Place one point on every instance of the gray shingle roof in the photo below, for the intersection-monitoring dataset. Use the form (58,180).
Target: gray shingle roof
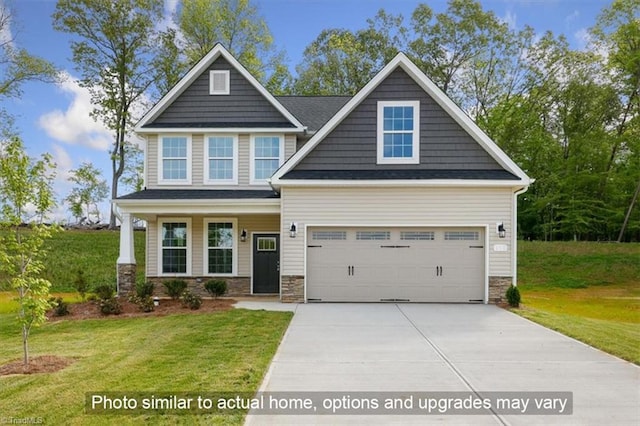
(198,194)
(399,174)
(313,111)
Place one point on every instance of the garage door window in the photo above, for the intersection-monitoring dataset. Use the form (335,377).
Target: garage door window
(373,235)
(461,235)
(329,235)
(417,235)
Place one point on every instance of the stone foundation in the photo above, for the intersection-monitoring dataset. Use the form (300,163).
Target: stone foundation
(498,287)
(292,289)
(126,278)
(236,286)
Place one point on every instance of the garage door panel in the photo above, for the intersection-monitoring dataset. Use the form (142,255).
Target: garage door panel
(374,264)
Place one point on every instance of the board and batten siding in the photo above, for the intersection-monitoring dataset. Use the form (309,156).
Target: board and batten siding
(444,144)
(198,163)
(252,223)
(395,207)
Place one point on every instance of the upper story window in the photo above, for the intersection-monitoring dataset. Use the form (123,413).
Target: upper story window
(398,132)
(175,158)
(267,154)
(221,160)
(219,82)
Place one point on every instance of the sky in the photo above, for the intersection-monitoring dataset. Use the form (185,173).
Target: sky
(55,118)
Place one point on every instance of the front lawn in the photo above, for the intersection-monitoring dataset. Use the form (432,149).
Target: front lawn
(589,291)
(190,353)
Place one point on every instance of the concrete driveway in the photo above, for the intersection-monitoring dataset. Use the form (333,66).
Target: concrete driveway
(334,352)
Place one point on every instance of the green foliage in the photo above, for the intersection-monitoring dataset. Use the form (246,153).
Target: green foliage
(112,47)
(513,296)
(216,288)
(110,306)
(144,288)
(145,303)
(175,288)
(190,300)
(60,307)
(25,184)
(89,190)
(81,284)
(105,291)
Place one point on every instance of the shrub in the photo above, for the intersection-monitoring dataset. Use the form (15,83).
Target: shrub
(110,306)
(105,291)
(144,303)
(513,296)
(175,288)
(80,284)
(144,289)
(216,288)
(190,300)
(60,307)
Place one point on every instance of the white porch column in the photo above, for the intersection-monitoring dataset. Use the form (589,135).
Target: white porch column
(127,253)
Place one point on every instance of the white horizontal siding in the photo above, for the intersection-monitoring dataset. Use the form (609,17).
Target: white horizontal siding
(253,223)
(393,207)
(243,160)
(152,161)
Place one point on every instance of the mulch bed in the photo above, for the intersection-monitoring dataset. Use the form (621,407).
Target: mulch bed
(91,310)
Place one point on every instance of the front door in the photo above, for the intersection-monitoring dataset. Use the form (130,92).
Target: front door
(266,263)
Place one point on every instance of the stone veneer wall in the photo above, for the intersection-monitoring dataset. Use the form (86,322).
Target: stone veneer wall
(292,289)
(236,286)
(498,287)
(126,278)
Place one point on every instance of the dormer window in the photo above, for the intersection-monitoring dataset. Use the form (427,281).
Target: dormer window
(398,132)
(219,82)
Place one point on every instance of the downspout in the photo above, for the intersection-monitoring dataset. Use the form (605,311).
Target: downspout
(514,235)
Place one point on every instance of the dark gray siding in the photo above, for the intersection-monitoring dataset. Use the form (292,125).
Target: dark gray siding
(443,143)
(244,105)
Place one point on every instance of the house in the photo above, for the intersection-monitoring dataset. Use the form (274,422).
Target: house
(393,194)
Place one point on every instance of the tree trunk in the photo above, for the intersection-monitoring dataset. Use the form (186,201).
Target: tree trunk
(25,345)
(628,215)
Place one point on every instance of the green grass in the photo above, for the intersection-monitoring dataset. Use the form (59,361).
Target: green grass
(589,291)
(95,252)
(194,353)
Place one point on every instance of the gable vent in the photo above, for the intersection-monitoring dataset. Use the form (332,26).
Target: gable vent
(219,82)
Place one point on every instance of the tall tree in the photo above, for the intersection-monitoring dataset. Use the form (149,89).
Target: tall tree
(16,64)
(89,190)
(341,62)
(26,196)
(237,24)
(112,55)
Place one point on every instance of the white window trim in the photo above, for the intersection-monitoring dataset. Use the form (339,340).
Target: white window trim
(415,159)
(161,222)
(252,163)
(207,178)
(227,82)
(205,244)
(161,180)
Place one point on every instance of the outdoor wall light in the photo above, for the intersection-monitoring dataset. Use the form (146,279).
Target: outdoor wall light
(293,230)
(243,235)
(502,232)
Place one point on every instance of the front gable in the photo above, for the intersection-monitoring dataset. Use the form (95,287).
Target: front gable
(235,101)
(444,145)
(448,146)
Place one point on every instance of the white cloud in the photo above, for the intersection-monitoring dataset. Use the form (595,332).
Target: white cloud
(75,126)
(170,8)
(63,161)
(583,38)
(6,35)
(572,17)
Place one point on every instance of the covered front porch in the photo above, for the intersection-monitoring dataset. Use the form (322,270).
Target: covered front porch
(199,235)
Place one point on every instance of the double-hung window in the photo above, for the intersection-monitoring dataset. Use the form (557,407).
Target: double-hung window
(221,159)
(175,159)
(220,246)
(398,132)
(174,238)
(267,153)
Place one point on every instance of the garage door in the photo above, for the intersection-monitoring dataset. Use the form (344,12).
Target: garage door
(395,264)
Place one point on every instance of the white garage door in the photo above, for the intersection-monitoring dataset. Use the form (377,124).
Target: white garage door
(395,264)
